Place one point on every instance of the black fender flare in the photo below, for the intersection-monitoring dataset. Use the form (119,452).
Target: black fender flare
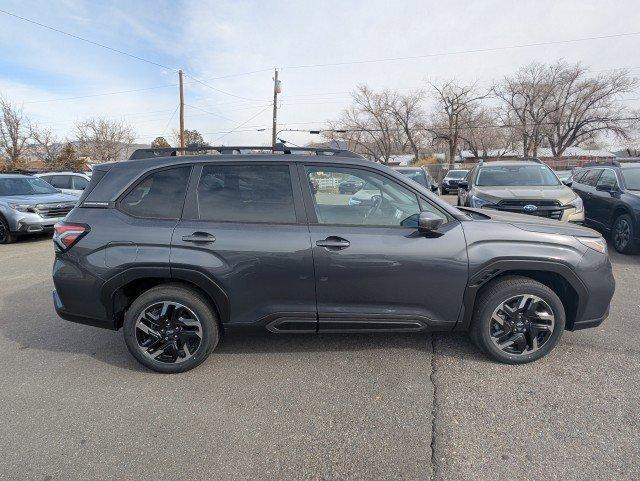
(494,269)
(189,276)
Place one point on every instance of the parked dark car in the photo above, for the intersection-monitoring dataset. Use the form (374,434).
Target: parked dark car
(524,186)
(451,180)
(611,195)
(350,185)
(179,250)
(419,175)
(565,176)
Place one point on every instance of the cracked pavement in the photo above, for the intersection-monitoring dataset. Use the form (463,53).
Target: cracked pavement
(77,406)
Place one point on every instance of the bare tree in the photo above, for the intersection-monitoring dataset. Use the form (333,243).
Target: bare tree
(584,107)
(46,146)
(103,140)
(527,103)
(483,134)
(369,125)
(454,105)
(408,112)
(14,134)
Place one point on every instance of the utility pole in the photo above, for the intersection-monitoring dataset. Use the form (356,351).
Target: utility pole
(276,90)
(181,109)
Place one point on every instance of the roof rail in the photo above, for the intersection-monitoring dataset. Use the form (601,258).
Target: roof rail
(597,163)
(237,150)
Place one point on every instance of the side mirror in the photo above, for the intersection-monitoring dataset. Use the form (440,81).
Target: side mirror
(434,187)
(463,184)
(429,222)
(567,182)
(606,188)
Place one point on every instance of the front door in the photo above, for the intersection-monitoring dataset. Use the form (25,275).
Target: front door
(374,271)
(245,230)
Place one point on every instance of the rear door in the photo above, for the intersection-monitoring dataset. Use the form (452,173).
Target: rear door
(374,271)
(244,228)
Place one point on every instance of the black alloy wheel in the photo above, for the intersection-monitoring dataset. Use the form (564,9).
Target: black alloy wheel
(521,324)
(168,332)
(622,234)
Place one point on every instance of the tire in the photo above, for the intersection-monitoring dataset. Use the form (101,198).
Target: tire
(623,234)
(178,329)
(6,237)
(444,191)
(485,330)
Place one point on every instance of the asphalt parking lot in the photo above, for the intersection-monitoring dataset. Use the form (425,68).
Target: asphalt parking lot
(75,405)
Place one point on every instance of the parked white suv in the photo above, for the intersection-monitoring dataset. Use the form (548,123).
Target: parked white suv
(67,182)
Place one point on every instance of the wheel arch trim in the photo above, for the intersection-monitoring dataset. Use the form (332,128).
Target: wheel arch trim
(498,268)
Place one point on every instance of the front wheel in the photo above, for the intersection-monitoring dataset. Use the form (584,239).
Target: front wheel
(171,328)
(517,320)
(623,234)
(6,237)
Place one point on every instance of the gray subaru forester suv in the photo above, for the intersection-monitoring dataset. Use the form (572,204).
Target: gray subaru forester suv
(180,249)
(29,205)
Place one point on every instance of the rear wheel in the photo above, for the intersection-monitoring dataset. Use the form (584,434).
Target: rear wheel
(171,328)
(6,237)
(517,320)
(623,234)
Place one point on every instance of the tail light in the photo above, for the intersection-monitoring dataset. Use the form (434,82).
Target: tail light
(66,235)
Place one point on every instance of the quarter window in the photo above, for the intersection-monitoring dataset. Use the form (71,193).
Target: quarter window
(79,183)
(591,177)
(246,193)
(159,196)
(346,196)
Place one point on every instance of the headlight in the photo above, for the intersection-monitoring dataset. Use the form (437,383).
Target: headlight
(478,202)
(577,204)
(595,243)
(353,201)
(22,207)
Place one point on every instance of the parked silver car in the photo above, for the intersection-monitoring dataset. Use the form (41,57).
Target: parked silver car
(30,205)
(67,182)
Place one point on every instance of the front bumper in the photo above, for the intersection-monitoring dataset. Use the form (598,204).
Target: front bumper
(27,223)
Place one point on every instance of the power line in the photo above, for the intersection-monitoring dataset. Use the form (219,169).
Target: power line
(461,52)
(220,90)
(170,119)
(210,113)
(97,44)
(243,123)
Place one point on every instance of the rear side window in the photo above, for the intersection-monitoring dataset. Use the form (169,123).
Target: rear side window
(246,193)
(79,183)
(608,179)
(591,177)
(159,195)
(59,181)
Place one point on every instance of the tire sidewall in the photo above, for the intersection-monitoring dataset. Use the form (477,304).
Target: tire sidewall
(482,334)
(200,307)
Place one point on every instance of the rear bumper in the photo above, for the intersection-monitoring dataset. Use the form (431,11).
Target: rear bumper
(89,321)
(588,323)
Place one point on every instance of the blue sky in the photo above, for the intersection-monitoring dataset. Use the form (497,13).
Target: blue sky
(213,39)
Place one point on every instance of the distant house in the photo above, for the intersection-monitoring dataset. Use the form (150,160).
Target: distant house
(401,159)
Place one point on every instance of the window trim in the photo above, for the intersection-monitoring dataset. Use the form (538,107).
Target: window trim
(191,212)
(142,178)
(311,211)
(599,169)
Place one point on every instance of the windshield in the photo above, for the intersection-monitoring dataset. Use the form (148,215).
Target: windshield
(457,174)
(632,178)
(25,186)
(416,175)
(516,175)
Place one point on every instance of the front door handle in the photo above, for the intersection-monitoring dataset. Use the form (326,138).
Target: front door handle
(333,243)
(199,237)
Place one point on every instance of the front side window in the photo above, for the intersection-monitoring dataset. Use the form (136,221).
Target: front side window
(516,175)
(246,193)
(379,202)
(608,179)
(159,196)
(417,175)
(591,177)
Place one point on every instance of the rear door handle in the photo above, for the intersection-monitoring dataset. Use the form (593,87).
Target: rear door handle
(201,237)
(334,243)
